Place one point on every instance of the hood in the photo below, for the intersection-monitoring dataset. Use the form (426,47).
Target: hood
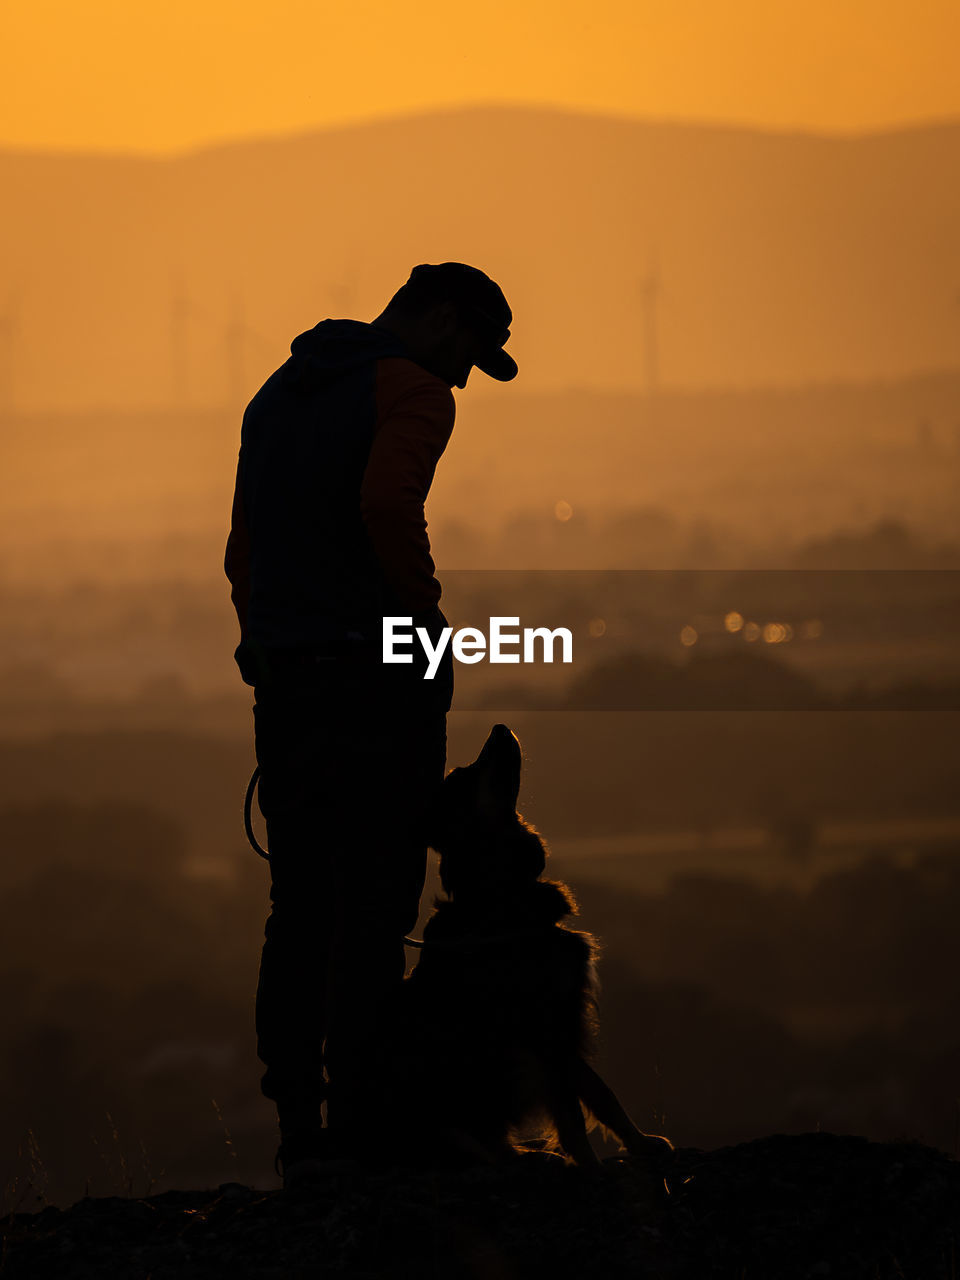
(334,345)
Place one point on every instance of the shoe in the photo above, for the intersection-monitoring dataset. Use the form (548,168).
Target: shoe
(314,1171)
(303,1160)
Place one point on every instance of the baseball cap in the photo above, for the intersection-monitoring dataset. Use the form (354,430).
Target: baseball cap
(483,304)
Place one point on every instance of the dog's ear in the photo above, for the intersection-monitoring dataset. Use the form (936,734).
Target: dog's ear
(498,767)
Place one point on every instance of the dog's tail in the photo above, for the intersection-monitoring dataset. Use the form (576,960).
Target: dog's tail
(590,1019)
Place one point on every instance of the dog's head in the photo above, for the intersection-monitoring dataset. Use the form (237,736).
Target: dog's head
(484,844)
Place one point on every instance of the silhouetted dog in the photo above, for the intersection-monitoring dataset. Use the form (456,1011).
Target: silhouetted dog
(498,1019)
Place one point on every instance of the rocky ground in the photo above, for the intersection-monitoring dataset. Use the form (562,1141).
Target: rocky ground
(810,1205)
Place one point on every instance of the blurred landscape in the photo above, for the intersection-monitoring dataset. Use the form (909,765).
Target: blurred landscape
(751,257)
(749,774)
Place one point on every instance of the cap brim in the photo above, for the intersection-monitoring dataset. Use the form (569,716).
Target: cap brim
(498,365)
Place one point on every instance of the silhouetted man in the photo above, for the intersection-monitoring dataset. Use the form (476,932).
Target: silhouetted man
(338,451)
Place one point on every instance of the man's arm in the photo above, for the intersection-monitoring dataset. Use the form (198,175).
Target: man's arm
(236,560)
(415,416)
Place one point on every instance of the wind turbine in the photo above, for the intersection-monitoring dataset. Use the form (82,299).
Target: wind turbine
(649,288)
(237,338)
(180,309)
(343,291)
(9,335)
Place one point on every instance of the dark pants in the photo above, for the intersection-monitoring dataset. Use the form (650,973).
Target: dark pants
(351,754)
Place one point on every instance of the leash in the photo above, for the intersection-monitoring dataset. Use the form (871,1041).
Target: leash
(247,808)
(265,853)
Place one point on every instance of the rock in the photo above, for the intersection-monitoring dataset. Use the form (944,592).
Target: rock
(781,1207)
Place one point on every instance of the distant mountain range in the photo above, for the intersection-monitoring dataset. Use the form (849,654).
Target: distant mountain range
(632,253)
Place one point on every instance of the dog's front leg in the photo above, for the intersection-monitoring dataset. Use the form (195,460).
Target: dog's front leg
(465,1144)
(571,1125)
(606,1106)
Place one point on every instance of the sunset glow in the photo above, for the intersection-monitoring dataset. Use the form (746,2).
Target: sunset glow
(108,76)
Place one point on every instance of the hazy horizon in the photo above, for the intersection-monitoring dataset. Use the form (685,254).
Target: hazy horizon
(635,256)
(891,128)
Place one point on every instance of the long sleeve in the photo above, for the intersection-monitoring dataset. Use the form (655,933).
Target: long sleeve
(415,417)
(236,560)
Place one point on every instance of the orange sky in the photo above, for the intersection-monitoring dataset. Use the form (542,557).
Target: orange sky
(111,74)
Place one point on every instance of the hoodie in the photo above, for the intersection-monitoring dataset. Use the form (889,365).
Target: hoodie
(338,450)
